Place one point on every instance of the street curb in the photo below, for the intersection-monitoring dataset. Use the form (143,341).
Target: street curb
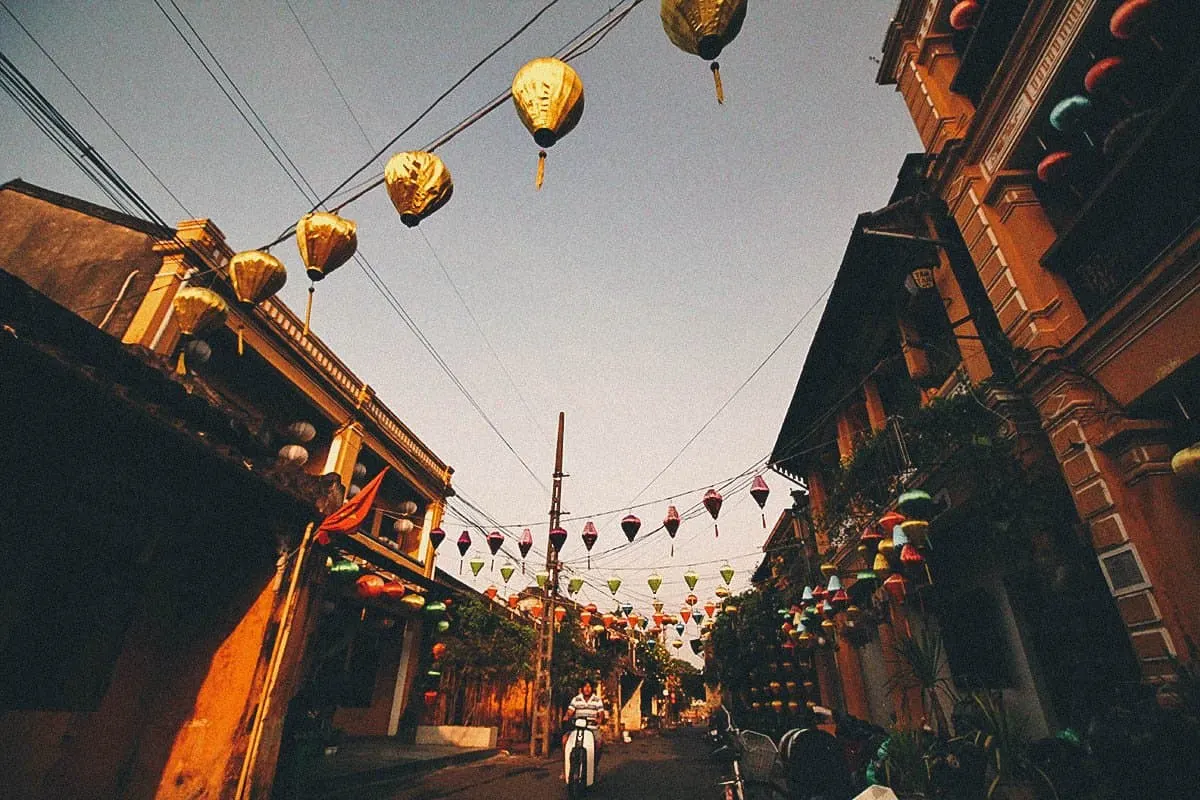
(338,786)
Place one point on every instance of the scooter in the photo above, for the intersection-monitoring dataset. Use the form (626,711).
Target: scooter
(579,759)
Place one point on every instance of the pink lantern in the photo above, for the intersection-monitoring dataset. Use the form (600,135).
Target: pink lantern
(671,525)
(464,544)
(631,525)
(590,535)
(712,502)
(524,545)
(759,491)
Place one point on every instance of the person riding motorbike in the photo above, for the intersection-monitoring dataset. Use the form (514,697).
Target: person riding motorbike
(589,707)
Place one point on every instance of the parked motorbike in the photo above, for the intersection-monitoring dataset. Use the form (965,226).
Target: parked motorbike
(579,759)
(750,758)
(814,765)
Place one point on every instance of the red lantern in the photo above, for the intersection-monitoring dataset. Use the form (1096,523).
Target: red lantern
(759,491)
(393,590)
(368,586)
(431,697)
(1132,18)
(513,600)
(592,608)
(1055,167)
(491,592)
(439,650)
(560,614)
(890,520)
(535,610)
(871,536)
(691,600)
(631,525)
(712,502)
(965,15)
(1104,74)
(671,525)
(607,619)
(840,599)
(710,608)
(910,556)
(585,617)
(897,587)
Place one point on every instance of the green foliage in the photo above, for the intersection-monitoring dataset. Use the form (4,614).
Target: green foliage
(905,763)
(575,661)
(921,661)
(485,643)
(1005,738)
(744,642)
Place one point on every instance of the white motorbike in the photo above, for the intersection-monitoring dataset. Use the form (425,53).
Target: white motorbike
(579,759)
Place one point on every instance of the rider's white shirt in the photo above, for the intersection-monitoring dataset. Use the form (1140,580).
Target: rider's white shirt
(589,709)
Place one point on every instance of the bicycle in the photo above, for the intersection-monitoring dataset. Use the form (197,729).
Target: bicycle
(753,763)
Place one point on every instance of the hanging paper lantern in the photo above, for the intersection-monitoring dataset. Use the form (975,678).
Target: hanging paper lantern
(691,600)
(918,503)
(853,614)
(491,592)
(293,454)
(916,530)
(439,650)
(659,618)
(535,610)
(759,491)
(436,537)
(626,608)
(965,14)
(896,587)
(590,535)
(840,599)
(899,539)
(443,625)
(513,601)
(574,585)
(703,28)
(542,579)
(887,545)
(889,521)
(679,628)
(255,276)
(709,608)
(402,527)
(658,606)
(634,620)
(1105,74)
(654,582)
(1132,18)
(464,544)
(196,311)
(678,643)
(697,617)
(476,564)
(807,596)
(592,607)
(607,619)
(911,557)
(881,566)
(726,573)
(871,536)
(585,617)
(560,614)
(1070,115)
(614,583)
(344,568)
(506,572)
(835,584)
(558,537)
(495,540)
(368,586)
(712,502)
(690,578)
(418,183)
(436,607)
(548,95)
(671,526)
(685,613)
(414,601)
(721,592)
(326,242)
(631,525)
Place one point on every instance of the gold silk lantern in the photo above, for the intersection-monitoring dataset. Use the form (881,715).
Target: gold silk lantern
(703,28)
(326,241)
(196,310)
(255,275)
(418,183)
(548,95)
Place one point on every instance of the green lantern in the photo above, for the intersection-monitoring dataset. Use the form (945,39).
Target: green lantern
(443,625)
(727,574)
(344,568)
(654,582)
(574,585)
(436,607)
(614,583)
(476,564)
(542,579)
(507,571)
(690,578)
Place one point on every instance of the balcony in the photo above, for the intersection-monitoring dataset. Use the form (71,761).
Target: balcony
(1146,202)
(985,47)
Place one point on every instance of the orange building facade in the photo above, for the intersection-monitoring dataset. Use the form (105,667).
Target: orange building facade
(1061,150)
(173,651)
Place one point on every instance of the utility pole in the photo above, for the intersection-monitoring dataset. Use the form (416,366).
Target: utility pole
(539,724)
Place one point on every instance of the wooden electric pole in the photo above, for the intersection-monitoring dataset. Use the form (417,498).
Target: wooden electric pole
(543,693)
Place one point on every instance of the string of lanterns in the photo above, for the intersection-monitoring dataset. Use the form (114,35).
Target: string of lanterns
(548,96)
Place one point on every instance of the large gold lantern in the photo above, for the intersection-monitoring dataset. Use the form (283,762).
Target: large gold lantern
(703,28)
(548,95)
(326,241)
(255,275)
(196,310)
(418,183)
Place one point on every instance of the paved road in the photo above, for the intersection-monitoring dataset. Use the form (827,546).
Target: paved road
(673,765)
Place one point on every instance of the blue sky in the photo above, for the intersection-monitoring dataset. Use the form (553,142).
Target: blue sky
(675,243)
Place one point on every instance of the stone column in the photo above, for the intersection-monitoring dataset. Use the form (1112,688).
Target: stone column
(854,689)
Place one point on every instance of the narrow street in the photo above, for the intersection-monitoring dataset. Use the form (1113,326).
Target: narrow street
(673,765)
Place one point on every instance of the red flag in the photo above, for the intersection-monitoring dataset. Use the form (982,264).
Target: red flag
(353,512)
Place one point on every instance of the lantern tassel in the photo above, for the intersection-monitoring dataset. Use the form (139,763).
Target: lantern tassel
(716,71)
(308,308)
(241,342)
(459,562)
(764,517)
(541,169)
(181,365)
(716,530)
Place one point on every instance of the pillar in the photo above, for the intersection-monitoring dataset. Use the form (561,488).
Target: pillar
(854,689)
(845,436)
(343,452)
(1140,517)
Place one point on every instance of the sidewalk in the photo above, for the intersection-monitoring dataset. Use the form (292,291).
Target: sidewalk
(372,761)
